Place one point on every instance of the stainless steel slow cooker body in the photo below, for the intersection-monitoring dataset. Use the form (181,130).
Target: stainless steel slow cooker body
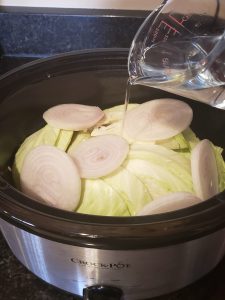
(142,256)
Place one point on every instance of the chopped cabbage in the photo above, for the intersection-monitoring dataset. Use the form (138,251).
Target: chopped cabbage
(100,198)
(220,167)
(130,188)
(151,169)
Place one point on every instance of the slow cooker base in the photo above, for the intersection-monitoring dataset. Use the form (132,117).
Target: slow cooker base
(140,274)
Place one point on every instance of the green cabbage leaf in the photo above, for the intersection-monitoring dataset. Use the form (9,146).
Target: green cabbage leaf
(99,198)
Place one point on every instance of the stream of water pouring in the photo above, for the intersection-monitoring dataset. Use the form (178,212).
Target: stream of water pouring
(126,101)
(127,95)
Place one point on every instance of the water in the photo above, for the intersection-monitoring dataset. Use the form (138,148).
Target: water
(193,68)
(127,95)
(126,101)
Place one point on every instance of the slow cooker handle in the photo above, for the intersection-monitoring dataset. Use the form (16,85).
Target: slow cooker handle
(102,292)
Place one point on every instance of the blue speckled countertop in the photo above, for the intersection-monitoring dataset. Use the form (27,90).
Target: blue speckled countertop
(30,33)
(42,32)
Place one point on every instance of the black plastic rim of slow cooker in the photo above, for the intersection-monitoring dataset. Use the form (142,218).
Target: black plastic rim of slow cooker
(106,232)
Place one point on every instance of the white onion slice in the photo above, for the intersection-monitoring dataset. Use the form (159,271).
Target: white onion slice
(204,170)
(50,175)
(157,119)
(73,116)
(170,202)
(100,155)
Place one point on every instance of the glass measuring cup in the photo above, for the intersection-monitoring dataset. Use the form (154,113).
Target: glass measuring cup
(180,48)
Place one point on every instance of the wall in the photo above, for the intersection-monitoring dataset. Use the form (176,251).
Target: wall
(98,4)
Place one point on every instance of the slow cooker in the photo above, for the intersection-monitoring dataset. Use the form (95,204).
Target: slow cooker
(129,258)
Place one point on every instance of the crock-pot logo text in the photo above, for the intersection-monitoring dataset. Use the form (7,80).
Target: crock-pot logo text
(100,265)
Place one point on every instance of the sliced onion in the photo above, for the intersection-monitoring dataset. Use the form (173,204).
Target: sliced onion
(170,202)
(49,175)
(204,170)
(73,116)
(100,155)
(157,119)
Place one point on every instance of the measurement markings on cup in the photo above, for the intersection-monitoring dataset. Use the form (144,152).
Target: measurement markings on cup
(172,25)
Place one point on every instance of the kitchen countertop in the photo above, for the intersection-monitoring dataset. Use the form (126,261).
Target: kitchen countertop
(17,283)
(39,32)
